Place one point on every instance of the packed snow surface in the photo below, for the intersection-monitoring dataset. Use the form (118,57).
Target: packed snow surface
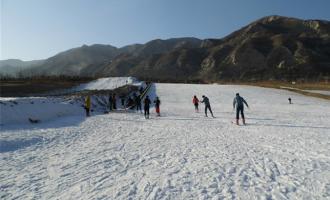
(282,153)
(325,92)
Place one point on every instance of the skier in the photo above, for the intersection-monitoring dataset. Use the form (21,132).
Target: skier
(114,102)
(141,89)
(195,102)
(157,104)
(146,107)
(239,103)
(88,105)
(289,100)
(110,102)
(206,102)
(122,99)
(129,103)
(137,101)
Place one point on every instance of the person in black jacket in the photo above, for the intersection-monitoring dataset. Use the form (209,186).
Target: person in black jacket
(114,102)
(122,99)
(147,103)
(129,103)
(110,101)
(207,104)
(137,101)
(239,103)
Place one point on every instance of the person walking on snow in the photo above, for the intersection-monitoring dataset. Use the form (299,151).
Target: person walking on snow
(157,104)
(129,103)
(147,103)
(88,105)
(239,104)
(195,102)
(110,102)
(137,100)
(122,99)
(206,102)
(114,102)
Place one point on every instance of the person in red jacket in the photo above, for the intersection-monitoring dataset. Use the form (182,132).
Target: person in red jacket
(157,105)
(195,102)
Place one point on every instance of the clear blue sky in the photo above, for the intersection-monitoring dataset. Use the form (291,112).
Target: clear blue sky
(38,29)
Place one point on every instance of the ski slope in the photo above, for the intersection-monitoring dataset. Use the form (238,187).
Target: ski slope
(108,83)
(282,153)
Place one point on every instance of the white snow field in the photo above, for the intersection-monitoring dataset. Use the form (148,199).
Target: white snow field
(282,153)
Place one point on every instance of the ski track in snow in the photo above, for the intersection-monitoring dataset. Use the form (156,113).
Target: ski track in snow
(282,153)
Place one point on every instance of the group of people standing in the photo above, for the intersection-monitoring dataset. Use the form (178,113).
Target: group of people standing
(238,103)
(136,102)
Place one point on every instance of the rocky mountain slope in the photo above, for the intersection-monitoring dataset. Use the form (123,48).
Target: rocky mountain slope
(271,48)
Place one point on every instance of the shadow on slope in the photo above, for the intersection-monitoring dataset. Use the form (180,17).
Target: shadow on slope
(13,145)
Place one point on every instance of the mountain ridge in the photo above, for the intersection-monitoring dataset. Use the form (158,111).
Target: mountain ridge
(271,48)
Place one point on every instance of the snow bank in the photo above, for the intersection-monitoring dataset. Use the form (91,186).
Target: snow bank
(109,83)
(20,110)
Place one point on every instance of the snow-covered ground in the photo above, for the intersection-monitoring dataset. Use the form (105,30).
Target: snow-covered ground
(14,111)
(283,152)
(325,92)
